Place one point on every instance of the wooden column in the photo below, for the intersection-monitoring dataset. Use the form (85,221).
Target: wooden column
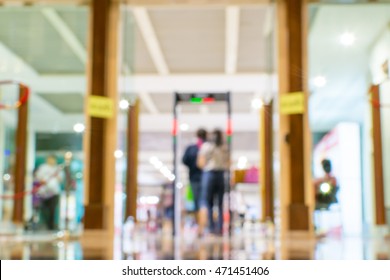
(380,209)
(101,135)
(294,134)
(20,158)
(266,166)
(132,160)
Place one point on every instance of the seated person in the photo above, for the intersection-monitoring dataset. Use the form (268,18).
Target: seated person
(326,187)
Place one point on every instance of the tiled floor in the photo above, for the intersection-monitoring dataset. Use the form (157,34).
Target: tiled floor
(243,246)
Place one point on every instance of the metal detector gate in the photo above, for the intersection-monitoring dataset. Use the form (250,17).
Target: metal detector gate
(197,99)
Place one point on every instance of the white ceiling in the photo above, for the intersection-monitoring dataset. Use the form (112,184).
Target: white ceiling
(182,49)
(345,68)
(164,50)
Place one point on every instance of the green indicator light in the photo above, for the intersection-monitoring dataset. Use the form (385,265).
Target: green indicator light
(196,100)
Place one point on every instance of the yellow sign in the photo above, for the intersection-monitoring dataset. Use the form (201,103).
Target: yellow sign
(100,107)
(292,103)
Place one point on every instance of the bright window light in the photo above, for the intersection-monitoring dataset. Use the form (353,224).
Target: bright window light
(124,104)
(79,127)
(347,39)
(118,154)
(319,81)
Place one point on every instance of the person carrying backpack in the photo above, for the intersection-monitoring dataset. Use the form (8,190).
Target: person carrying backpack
(195,173)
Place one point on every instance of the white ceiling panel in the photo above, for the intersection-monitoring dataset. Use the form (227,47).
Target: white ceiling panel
(31,37)
(253,54)
(135,56)
(192,40)
(345,68)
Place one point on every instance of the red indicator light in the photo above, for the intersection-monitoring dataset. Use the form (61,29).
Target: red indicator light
(174,128)
(208,100)
(229,127)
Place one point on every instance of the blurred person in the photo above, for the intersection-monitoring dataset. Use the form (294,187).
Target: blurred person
(69,184)
(326,187)
(195,173)
(33,222)
(213,159)
(50,176)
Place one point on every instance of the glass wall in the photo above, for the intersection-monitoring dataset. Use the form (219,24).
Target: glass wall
(45,47)
(342,52)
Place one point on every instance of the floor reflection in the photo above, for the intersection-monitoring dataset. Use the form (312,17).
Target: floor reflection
(162,247)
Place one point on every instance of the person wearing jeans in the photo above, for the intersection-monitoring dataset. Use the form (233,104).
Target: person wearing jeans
(195,174)
(213,159)
(50,176)
(213,181)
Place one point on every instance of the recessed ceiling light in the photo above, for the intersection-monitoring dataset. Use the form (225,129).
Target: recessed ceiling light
(319,81)
(347,39)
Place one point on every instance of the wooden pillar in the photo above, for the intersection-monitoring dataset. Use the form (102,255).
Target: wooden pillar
(266,166)
(132,160)
(380,209)
(101,134)
(20,158)
(294,129)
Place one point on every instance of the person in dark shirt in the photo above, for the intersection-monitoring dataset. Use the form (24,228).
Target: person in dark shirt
(189,159)
(326,187)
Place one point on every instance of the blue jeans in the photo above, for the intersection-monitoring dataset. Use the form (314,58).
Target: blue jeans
(213,188)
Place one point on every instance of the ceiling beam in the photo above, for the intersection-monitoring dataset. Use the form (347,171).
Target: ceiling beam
(66,33)
(147,100)
(153,84)
(242,122)
(148,33)
(232,31)
(13,67)
(269,21)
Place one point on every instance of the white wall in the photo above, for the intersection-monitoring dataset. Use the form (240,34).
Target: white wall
(367,169)
(380,52)
(342,147)
(385,122)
